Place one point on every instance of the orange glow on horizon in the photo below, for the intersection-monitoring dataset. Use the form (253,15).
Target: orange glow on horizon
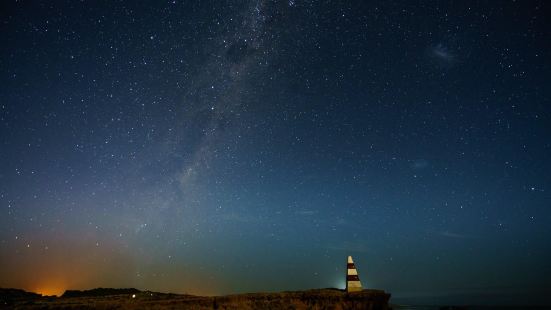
(50,290)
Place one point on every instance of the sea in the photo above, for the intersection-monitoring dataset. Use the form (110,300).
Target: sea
(412,307)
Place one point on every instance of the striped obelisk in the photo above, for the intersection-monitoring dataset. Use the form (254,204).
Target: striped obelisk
(353,283)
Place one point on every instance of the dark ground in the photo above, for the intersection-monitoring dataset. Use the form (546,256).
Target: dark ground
(134,299)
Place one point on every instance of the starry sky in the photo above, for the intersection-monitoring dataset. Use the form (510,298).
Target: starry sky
(216,147)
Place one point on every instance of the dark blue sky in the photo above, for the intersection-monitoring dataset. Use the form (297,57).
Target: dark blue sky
(221,147)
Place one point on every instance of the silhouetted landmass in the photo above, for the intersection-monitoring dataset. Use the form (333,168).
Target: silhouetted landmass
(107,298)
(134,299)
(12,296)
(100,292)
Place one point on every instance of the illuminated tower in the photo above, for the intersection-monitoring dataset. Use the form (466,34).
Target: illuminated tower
(353,283)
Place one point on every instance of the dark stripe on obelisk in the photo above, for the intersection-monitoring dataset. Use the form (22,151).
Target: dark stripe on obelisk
(350,266)
(352,277)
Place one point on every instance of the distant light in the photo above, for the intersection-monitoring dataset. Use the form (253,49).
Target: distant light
(133,295)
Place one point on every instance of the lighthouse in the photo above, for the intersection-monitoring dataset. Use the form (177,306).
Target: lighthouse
(353,283)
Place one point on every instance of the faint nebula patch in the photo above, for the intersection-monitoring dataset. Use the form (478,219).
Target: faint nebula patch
(443,53)
(419,164)
(448,51)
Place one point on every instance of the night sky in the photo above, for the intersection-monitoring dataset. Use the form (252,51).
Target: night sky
(216,147)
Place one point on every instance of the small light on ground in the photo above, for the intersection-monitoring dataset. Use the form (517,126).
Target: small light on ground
(133,295)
